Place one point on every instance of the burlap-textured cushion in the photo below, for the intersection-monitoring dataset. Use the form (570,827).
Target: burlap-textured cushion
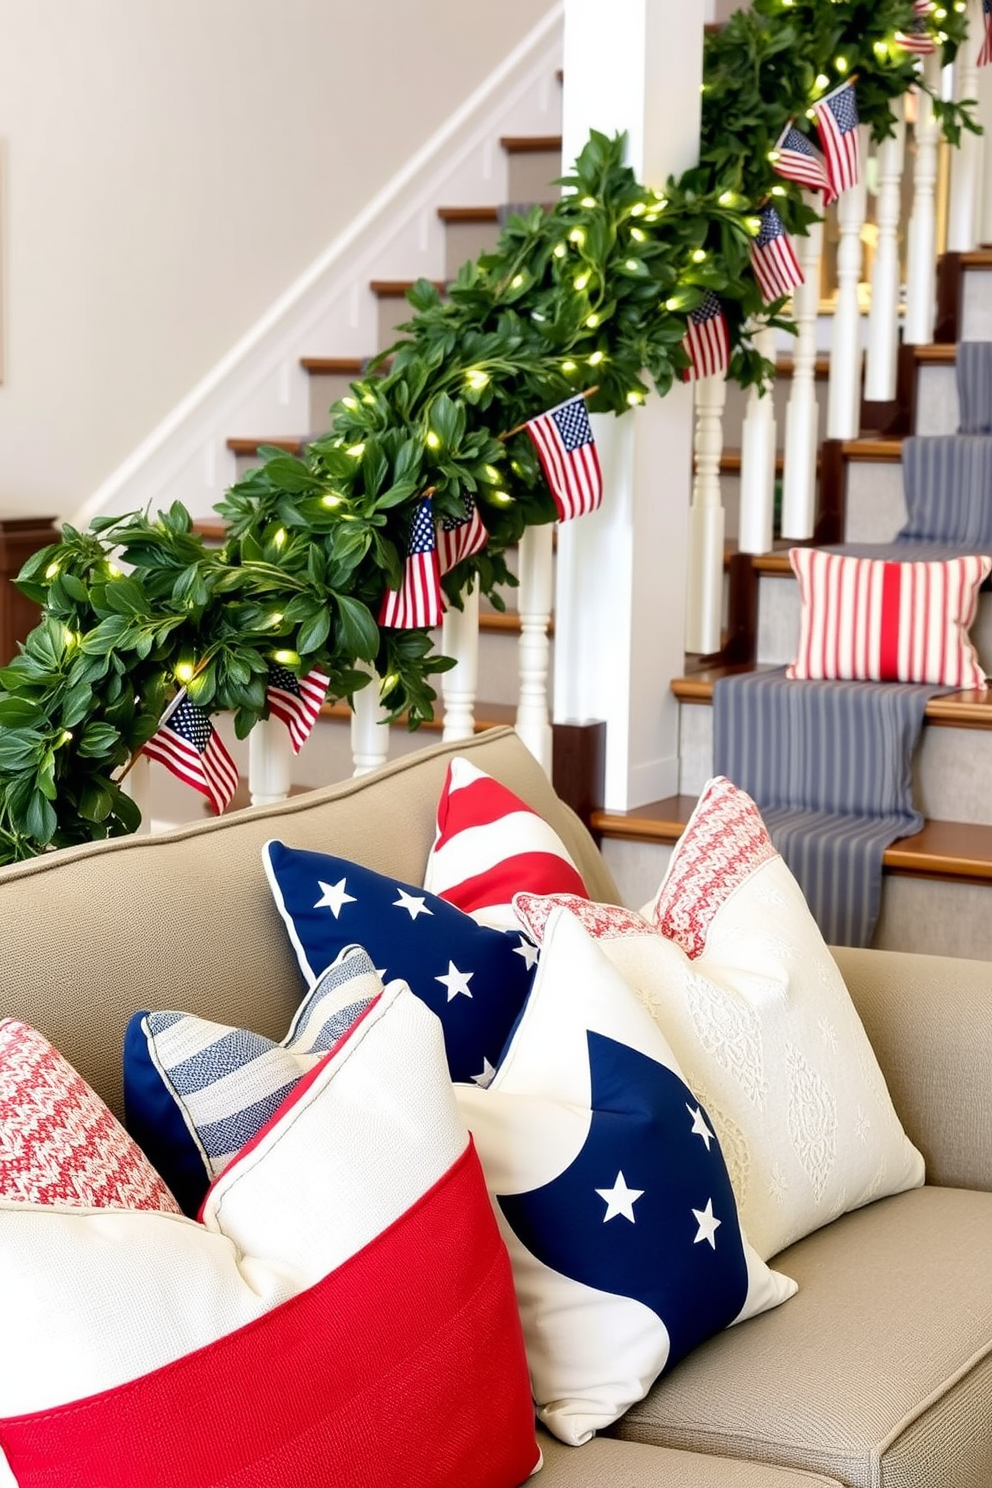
(877,1373)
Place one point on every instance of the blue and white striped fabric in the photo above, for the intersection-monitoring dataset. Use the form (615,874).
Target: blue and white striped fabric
(829,764)
(973,366)
(196,1092)
(947,480)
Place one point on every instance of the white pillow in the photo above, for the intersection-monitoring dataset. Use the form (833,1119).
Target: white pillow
(753,1004)
(611,1193)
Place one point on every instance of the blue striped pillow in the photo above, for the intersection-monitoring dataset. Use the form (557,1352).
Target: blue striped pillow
(195,1092)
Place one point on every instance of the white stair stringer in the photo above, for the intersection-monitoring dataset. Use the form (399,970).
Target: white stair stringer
(259,385)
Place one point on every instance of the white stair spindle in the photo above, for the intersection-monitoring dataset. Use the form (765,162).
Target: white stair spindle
(535,600)
(369,731)
(966,160)
(983,92)
(844,392)
(757,502)
(270,762)
(460,639)
(704,593)
(138,785)
(802,414)
(883,321)
(922,257)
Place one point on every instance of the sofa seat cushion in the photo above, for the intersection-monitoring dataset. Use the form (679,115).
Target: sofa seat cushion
(602,1463)
(878,1373)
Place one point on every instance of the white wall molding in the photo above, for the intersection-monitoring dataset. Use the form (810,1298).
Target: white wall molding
(258,388)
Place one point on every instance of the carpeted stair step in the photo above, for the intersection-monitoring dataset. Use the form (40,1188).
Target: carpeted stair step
(964,296)
(952,767)
(533,162)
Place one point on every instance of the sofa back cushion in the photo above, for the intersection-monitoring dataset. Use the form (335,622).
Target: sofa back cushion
(185,920)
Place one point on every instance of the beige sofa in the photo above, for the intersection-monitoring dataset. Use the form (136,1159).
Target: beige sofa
(877,1374)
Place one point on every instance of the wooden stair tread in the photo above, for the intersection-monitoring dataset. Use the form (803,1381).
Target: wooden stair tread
(468,214)
(942,849)
(977,258)
(936,355)
(730,461)
(971,708)
(872,449)
(395,289)
(340,366)
(291,443)
(530,144)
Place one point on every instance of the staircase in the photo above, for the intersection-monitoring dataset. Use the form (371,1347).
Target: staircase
(937,892)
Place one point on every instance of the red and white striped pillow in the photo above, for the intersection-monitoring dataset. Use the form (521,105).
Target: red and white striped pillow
(490,846)
(878,621)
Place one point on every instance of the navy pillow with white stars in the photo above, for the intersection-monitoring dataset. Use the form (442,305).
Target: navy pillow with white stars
(475,979)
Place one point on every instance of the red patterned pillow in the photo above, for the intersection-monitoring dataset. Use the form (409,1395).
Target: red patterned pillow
(876,621)
(61,1144)
(724,842)
(489,845)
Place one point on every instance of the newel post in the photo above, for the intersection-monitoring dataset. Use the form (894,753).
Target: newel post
(621,580)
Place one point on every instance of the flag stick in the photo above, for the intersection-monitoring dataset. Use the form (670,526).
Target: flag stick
(510,432)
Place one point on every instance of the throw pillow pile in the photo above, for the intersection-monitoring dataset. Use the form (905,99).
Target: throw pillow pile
(310,1329)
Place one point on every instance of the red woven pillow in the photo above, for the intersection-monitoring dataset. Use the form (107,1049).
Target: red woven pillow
(873,620)
(61,1144)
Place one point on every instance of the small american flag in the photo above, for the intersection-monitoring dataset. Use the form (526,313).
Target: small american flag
(773,258)
(296,701)
(563,439)
(707,341)
(837,123)
(416,604)
(459,537)
(919,38)
(798,159)
(187,744)
(985,53)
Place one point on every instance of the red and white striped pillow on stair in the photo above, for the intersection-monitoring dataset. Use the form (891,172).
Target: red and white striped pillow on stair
(874,620)
(490,845)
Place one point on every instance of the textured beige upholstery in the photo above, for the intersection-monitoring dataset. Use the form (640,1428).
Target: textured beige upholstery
(929,1019)
(877,1374)
(615,1464)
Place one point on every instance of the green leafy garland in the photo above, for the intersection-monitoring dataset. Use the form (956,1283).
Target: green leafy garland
(593,292)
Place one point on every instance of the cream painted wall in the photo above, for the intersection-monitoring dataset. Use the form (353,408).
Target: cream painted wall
(170,167)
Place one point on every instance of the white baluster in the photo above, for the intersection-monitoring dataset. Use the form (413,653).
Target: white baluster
(983,114)
(704,593)
(460,639)
(802,414)
(966,160)
(844,392)
(757,509)
(883,321)
(922,257)
(369,730)
(270,762)
(138,785)
(536,597)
